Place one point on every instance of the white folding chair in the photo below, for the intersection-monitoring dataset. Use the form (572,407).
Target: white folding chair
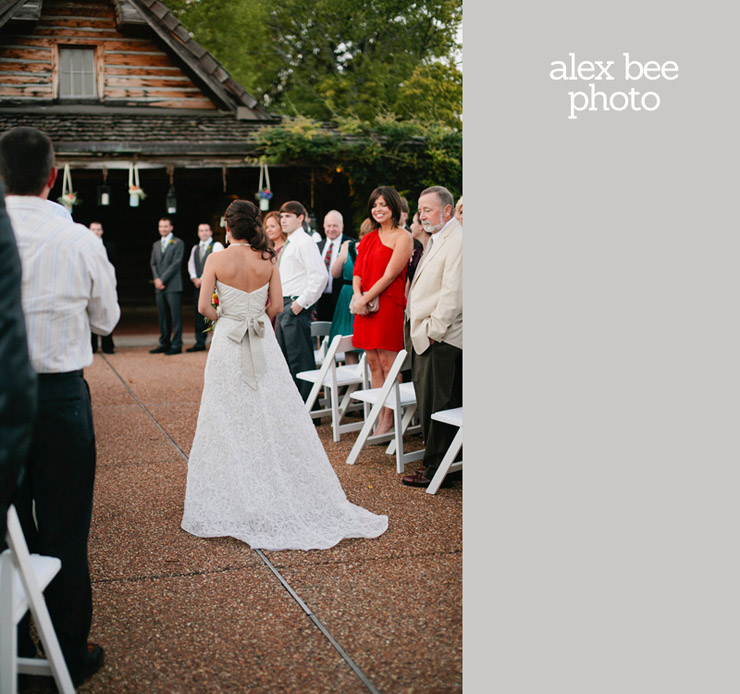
(23,577)
(448,464)
(333,377)
(320,330)
(401,398)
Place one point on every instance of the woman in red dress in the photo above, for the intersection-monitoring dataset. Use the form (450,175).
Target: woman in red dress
(380,271)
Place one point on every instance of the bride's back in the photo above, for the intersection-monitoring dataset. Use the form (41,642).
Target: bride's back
(242,267)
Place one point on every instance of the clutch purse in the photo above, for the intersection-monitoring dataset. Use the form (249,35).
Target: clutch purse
(372,306)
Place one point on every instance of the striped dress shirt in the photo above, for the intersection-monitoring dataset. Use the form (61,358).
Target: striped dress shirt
(68,287)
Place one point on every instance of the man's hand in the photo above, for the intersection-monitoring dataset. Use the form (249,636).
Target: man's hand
(296,308)
(158,284)
(197,282)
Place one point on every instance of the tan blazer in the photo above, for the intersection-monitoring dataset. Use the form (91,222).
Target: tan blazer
(434,306)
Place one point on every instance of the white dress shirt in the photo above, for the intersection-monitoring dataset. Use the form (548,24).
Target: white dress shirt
(68,287)
(217,246)
(302,271)
(336,244)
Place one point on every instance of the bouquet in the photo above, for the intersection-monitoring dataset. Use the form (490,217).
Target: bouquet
(264,194)
(214,303)
(138,192)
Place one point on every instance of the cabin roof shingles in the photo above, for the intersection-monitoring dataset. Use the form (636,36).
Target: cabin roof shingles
(141,133)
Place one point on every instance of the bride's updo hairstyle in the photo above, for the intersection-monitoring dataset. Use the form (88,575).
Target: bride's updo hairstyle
(243,218)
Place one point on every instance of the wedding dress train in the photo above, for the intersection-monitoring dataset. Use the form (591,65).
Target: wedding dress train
(257,469)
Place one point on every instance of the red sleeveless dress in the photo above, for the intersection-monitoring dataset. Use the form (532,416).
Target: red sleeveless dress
(384,328)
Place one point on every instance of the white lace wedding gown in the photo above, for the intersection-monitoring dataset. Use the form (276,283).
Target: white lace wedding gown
(257,470)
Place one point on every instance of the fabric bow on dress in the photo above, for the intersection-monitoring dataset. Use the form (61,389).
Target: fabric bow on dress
(249,332)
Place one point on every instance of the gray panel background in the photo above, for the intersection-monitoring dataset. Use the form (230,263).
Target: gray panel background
(601,347)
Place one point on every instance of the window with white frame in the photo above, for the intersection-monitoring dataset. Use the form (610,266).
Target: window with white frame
(77,73)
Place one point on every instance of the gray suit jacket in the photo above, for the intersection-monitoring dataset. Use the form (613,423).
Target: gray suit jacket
(168,265)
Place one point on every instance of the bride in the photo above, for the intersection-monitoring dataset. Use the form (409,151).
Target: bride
(257,469)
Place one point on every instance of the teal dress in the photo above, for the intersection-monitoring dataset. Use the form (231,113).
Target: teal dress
(342,322)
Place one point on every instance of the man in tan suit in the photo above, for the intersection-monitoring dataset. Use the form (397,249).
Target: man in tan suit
(434,327)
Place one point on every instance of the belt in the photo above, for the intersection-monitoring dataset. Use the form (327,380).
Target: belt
(290,298)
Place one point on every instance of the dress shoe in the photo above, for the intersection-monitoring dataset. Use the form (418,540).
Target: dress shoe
(173,350)
(417,480)
(91,663)
(196,348)
(159,350)
(108,351)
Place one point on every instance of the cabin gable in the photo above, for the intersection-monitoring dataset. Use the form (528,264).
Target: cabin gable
(124,53)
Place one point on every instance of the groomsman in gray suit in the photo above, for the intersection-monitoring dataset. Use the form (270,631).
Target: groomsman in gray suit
(196,263)
(166,264)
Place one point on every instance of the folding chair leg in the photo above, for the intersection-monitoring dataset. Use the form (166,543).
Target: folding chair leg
(312,395)
(367,428)
(54,662)
(447,464)
(408,414)
(338,411)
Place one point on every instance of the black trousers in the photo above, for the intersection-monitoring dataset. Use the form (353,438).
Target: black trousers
(200,322)
(59,478)
(437,375)
(105,340)
(326,304)
(169,309)
(293,334)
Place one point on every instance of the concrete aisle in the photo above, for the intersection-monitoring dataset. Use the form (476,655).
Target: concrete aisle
(177,613)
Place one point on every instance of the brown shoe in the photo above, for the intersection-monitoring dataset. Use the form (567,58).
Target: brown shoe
(417,480)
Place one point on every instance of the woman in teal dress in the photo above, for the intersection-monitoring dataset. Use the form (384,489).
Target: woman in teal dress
(342,321)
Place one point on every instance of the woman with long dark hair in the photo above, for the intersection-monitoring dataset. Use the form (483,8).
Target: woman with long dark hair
(257,470)
(380,273)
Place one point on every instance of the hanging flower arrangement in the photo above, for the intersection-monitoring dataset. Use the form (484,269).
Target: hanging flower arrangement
(135,191)
(264,193)
(69,197)
(138,192)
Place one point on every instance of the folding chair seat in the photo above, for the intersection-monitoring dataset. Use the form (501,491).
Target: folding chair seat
(332,378)
(454,417)
(401,398)
(23,577)
(320,330)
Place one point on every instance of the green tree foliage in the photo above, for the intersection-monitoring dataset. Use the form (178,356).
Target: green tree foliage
(410,155)
(328,59)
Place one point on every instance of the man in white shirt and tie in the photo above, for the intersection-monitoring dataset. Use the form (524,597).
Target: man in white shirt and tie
(303,277)
(329,249)
(68,289)
(196,263)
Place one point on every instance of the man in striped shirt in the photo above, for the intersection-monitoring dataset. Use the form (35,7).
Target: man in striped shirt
(68,289)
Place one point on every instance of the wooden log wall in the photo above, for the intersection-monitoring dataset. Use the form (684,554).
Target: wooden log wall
(131,71)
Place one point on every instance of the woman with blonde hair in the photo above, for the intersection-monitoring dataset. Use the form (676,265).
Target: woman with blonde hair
(271,225)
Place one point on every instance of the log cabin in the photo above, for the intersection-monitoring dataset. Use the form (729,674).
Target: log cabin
(124,91)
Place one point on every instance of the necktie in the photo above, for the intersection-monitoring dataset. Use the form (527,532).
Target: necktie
(327,260)
(164,245)
(202,251)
